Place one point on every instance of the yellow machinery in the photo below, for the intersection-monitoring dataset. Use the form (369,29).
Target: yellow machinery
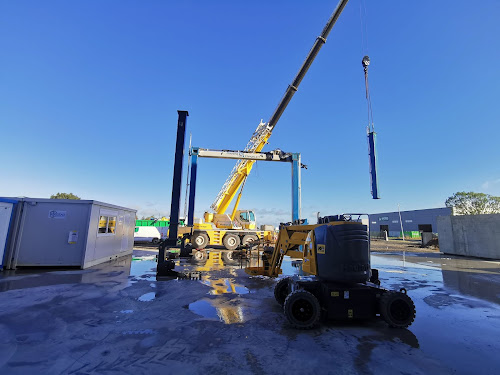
(236,181)
(340,284)
(260,137)
(229,313)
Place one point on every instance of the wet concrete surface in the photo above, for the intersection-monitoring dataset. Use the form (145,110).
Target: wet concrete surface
(116,318)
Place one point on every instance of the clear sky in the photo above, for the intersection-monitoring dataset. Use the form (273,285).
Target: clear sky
(89,93)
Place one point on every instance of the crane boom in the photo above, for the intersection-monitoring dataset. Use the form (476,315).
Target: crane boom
(261,135)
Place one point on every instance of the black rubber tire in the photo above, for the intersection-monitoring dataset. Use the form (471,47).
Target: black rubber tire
(199,240)
(228,257)
(249,238)
(200,256)
(281,290)
(155,241)
(397,309)
(231,241)
(302,309)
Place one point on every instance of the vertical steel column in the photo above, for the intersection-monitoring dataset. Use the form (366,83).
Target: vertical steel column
(372,142)
(192,184)
(164,266)
(176,193)
(296,187)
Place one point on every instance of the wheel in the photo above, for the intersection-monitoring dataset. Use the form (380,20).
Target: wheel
(231,241)
(302,309)
(397,309)
(199,240)
(154,241)
(281,290)
(228,257)
(249,239)
(200,256)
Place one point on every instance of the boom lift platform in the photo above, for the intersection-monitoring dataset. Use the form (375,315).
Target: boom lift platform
(341,283)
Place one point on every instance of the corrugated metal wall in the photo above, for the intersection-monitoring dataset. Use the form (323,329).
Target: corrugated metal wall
(411,220)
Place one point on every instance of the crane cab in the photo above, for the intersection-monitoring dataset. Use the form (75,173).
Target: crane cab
(246,219)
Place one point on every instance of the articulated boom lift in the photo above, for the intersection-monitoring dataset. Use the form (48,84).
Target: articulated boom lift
(340,283)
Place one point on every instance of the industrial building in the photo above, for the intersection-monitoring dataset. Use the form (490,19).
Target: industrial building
(413,222)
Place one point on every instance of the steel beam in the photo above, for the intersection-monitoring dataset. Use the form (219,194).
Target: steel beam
(192,184)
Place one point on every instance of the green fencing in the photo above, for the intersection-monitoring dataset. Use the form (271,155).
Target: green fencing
(412,234)
(155,223)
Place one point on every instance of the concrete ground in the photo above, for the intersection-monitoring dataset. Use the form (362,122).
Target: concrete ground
(115,318)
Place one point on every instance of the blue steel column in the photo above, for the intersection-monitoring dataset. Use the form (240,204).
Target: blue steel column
(177,179)
(296,187)
(192,184)
(372,138)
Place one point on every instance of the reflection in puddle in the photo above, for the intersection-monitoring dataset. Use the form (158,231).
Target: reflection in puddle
(139,332)
(147,297)
(143,269)
(218,310)
(113,274)
(224,286)
(472,277)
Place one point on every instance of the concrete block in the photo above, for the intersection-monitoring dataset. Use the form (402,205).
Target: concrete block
(470,235)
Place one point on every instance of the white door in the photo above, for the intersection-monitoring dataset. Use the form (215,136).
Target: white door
(5,214)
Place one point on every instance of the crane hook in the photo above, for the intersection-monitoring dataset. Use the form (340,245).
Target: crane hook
(365,62)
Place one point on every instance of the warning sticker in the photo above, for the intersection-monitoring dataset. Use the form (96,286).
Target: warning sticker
(321,249)
(73,237)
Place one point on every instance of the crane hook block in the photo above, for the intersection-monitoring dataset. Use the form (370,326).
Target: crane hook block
(365,61)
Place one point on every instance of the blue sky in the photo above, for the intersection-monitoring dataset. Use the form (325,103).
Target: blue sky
(89,93)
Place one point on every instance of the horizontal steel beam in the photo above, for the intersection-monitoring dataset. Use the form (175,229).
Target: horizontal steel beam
(258,156)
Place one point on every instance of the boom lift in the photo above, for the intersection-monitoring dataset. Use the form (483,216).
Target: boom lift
(340,282)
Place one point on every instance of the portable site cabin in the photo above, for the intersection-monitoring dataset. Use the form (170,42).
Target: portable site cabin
(63,232)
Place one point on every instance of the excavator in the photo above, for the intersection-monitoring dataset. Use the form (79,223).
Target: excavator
(240,227)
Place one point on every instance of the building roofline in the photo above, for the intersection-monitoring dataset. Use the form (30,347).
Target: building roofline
(67,201)
(397,212)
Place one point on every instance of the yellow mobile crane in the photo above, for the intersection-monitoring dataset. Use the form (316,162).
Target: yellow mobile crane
(245,219)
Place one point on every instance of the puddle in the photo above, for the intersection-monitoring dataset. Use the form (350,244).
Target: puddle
(139,332)
(224,286)
(142,270)
(225,312)
(141,267)
(291,267)
(147,297)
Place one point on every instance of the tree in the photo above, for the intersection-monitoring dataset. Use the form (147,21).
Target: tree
(470,203)
(64,196)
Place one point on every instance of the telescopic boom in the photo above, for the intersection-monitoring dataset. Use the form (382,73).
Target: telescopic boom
(261,135)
